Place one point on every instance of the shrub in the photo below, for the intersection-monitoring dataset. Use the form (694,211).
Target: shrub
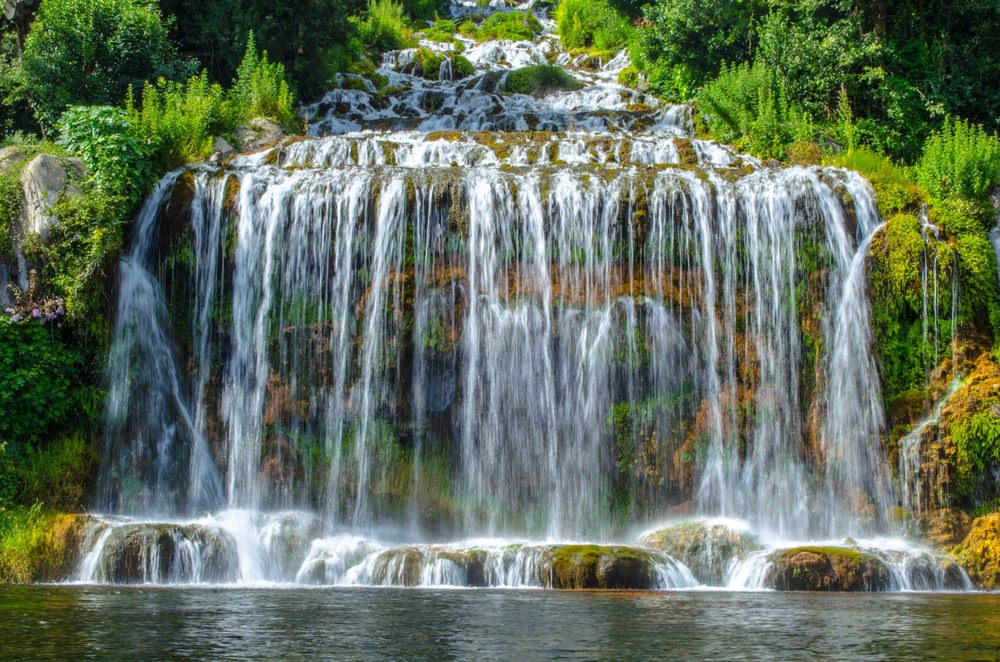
(684,42)
(260,89)
(443,31)
(511,26)
(593,24)
(40,381)
(629,76)
(960,159)
(91,51)
(749,105)
(105,139)
(539,80)
(177,122)
(384,27)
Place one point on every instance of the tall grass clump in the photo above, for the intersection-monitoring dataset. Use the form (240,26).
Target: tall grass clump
(261,89)
(593,24)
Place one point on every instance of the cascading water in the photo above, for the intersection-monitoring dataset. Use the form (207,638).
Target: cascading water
(458,312)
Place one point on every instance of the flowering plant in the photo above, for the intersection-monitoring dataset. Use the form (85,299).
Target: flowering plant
(30,306)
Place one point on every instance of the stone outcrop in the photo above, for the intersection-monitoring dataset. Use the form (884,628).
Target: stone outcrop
(259,134)
(160,553)
(979,553)
(827,569)
(43,180)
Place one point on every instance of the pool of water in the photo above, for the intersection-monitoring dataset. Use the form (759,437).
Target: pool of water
(80,622)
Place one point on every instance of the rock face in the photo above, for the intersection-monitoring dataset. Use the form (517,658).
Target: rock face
(979,553)
(43,179)
(259,134)
(827,569)
(707,548)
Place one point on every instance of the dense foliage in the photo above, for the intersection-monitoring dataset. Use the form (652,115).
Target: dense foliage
(92,51)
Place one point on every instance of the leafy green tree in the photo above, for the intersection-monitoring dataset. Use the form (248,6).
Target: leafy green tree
(91,51)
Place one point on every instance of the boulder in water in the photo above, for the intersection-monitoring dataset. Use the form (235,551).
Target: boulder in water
(598,567)
(827,569)
(167,553)
(707,548)
(979,553)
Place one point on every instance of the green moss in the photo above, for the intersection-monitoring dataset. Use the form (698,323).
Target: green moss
(629,76)
(895,186)
(830,552)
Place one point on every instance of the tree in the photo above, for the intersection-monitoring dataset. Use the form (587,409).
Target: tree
(90,51)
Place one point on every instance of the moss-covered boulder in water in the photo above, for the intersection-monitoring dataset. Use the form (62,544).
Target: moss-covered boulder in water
(826,569)
(168,553)
(979,553)
(598,567)
(708,549)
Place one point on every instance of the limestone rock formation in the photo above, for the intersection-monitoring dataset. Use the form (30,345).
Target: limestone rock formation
(259,134)
(707,548)
(43,179)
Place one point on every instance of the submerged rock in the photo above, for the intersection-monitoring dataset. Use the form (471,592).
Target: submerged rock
(827,569)
(979,553)
(707,548)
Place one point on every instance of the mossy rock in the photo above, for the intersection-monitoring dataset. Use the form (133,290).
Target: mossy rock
(979,553)
(141,553)
(707,549)
(598,567)
(826,569)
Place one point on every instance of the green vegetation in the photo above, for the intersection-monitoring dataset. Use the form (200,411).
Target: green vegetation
(593,24)
(384,27)
(539,80)
(91,52)
(513,26)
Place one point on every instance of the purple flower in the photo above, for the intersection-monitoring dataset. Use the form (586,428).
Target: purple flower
(60,310)
(15,318)
(36,313)
(10,311)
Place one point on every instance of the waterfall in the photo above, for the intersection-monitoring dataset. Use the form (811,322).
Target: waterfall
(454,312)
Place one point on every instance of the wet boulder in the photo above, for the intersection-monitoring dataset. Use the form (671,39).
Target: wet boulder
(598,567)
(979,553)
(707,548)
(167,553)
(827,569)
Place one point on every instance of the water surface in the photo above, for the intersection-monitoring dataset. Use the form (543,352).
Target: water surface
(78,622)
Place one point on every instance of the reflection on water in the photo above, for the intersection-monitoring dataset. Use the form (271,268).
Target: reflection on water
(75,622)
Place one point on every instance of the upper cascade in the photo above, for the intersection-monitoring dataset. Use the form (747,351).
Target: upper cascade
(457,311)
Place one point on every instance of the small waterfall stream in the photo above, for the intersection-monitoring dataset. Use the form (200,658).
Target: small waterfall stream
(454,312)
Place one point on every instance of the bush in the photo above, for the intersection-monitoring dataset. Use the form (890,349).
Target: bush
(40,381)
(105,139)
(511,26)
(90,51)
(961,160)
(443,31)
(593,24)
(539,80)
(177,122)
(260,89)
(748,105)
(685,42)
(384,27)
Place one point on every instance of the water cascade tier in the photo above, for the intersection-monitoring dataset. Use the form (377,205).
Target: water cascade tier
(533,324)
